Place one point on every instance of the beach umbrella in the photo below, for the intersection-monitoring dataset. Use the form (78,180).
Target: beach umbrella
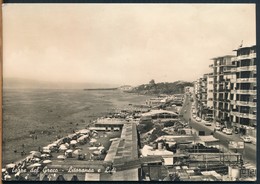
(101,147)
(34,165)
(96,152)
(8,166)
(69,151)
(63,157)
(76,152)
(63,147)
(73,142)
(93,140)
(45,155)
(53,144)
(36,159)
(7,177)
(46,151)
(47,161)
(46,148)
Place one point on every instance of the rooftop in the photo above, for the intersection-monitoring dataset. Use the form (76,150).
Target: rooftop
(126,146)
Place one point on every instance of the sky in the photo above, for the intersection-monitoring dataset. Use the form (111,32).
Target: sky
(125,44)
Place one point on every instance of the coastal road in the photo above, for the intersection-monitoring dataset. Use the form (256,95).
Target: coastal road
(250,149)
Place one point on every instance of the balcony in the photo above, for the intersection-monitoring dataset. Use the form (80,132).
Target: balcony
(243,103)
(233,70)
(250,92)
(252,55)
(243,57)
(243,115)
(252,116)
(241,80)
(234,59)
(246,68)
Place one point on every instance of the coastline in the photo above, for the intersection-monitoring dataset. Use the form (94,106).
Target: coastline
(64,112)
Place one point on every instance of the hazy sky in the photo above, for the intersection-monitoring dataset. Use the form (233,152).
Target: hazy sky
(120,43)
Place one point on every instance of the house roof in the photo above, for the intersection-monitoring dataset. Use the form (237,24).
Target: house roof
(148,151)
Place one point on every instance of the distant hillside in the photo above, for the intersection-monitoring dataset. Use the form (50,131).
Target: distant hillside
(20,83)
(162,88)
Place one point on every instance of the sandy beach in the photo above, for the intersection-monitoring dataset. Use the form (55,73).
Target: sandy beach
(34,118)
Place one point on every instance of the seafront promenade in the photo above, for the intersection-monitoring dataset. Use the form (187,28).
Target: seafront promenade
(127,145)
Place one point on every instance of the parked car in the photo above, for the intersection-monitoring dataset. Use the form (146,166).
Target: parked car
(198,119)
(236,131)
(218,127)
(247,139)
(229,131)
(224,130)
(207,122)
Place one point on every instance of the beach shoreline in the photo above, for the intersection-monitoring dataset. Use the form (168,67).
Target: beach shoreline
(35,118)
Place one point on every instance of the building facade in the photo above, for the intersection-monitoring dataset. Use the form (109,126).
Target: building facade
(202,96)
(243,90)
(222,77)
(210,91)
(230,91)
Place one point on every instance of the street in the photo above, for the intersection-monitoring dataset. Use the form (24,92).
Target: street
(249,153)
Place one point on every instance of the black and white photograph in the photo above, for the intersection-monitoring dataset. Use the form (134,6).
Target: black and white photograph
(129,92)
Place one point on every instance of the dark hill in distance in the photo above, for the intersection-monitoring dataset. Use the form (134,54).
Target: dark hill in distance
(162,88)
(20,83)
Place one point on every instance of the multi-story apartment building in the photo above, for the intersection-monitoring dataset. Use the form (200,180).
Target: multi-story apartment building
(201,95)
(243,89)
(210,91)
(222,76)
(196,86)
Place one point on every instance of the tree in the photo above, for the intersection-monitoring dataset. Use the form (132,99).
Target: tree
(152,82)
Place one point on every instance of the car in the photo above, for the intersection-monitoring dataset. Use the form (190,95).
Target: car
(236,131)
(218,127)
(247,139)
(207,123)
(228,131)
(224,130)
(198,119)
